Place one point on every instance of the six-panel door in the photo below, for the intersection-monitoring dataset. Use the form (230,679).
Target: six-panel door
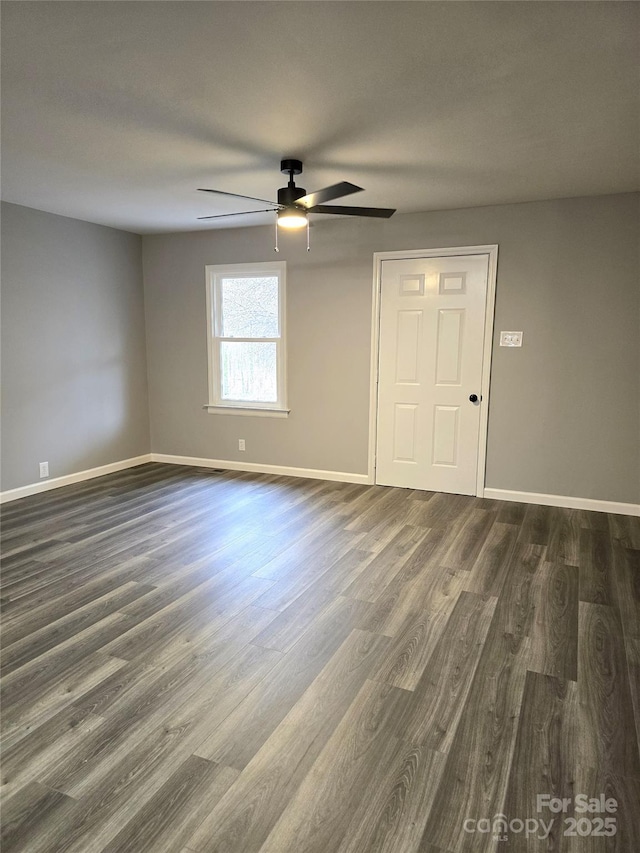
(432,317)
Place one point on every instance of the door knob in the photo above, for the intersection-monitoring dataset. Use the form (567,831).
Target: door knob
(473,398)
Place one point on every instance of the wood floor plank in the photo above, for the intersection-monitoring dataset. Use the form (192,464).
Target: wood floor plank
(371,583)
(32,645)
(436,589)
(380,503)
(511,512)
(211,603)
(135,676)
(347,568)
(488,572)
(246,729)
(25,685)
(304,573)
(200,660)
(419,495)
(626,793)
(607,736)
(395,807)
(127,783)
(246,814)
(441,510)
(318,815)
(422,584)
(626,571)
(25,717)
(132,720)
(596,559)
(379,536)
(133,777)
(409,653)
(536,525)
(435,708)
(475,776)
(21,576)
(515,611)
(37,753)
(33,611)
(564,539)
(469,540)
(60,578)
(175,810)
(424,559)
(305,551)
(93,821)
(554,631)
(543,762)
(632,648)
(24,813)
(625,529)
(591,520)
(293,621)
(206,640)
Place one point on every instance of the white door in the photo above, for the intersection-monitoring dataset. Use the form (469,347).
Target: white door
(432,319)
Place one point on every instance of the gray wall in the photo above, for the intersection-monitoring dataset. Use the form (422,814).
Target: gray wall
(564,414)
(74,385)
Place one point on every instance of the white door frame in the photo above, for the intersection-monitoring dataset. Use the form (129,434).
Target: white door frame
(378,258)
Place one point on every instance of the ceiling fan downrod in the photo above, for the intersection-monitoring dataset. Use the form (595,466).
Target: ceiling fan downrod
(288,195)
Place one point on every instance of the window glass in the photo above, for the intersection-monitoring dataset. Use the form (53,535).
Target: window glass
(249,307)
(248,371)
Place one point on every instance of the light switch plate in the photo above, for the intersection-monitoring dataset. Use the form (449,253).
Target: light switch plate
(510,339)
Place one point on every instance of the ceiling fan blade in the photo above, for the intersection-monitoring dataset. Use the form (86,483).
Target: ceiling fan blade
(241,213)
(235,195)
(377,212)
(328,194)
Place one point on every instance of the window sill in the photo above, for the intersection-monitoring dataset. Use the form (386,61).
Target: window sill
(247,411)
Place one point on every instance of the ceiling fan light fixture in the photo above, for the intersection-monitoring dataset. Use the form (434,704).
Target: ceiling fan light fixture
(292,217)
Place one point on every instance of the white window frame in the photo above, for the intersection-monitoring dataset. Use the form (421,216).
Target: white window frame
(214,273)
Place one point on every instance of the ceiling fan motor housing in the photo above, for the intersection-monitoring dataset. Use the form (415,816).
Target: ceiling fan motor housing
(289,195)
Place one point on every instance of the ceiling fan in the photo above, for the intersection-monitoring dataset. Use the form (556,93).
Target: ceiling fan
(294,203)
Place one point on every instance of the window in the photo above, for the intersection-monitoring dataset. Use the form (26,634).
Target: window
(245,315)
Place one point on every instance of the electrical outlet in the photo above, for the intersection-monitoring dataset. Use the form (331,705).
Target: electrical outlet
(44,469)
(241,444)
(510,339)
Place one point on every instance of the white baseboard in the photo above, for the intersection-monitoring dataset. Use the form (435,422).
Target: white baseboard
(309,473)
(68,479)
(562,500)
(260,468)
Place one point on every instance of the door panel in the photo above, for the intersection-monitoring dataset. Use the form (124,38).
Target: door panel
(449,339)
(445,435)
(432,317)
(404,433)
(408,350)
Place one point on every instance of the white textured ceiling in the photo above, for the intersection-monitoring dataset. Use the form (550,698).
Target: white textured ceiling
(115,112)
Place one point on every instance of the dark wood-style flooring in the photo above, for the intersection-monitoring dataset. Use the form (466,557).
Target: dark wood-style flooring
(230,663)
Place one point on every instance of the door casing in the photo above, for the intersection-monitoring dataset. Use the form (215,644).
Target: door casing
(490,250)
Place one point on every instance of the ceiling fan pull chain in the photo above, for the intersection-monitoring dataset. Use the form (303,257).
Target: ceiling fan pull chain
(276,249)
(308,247)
